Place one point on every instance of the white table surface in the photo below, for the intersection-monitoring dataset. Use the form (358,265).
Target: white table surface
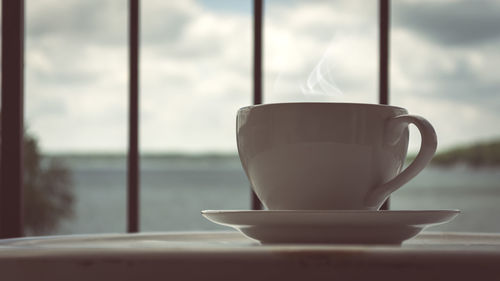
(230,256)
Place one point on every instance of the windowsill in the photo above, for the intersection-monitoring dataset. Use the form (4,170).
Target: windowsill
(230,256)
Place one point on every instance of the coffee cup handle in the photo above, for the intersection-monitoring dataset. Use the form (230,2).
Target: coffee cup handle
(428,146)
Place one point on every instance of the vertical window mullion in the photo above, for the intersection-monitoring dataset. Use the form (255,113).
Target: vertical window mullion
(257,71)
(384,20)
(11,172)
(133,148)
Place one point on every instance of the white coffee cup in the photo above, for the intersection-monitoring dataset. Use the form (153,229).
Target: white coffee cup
(328,156)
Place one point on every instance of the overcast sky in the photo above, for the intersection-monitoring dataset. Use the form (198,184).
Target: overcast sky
(196,67)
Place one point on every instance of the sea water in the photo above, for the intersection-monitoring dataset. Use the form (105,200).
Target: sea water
(175,189)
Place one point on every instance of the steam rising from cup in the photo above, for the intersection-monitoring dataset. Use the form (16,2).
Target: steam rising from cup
(320,80)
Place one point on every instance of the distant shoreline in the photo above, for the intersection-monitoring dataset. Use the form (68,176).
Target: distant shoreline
(164,155)
(481,154)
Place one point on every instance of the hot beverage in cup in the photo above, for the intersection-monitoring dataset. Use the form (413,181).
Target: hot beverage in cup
(328,156)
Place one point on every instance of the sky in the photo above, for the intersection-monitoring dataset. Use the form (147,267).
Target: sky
(196,68)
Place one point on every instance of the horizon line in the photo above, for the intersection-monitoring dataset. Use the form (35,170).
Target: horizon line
(145,153)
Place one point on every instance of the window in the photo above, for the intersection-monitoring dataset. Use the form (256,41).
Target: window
(76,58)
(195,72)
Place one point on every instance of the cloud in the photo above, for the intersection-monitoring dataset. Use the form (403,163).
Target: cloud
(453,87)
(196,69)
(450,23)
(299,36)
(454,122)
(466,75)
(76,74)
(164,22)
(77,21)
(193,86)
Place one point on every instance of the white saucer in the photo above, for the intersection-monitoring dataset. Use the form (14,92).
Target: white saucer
(342,227)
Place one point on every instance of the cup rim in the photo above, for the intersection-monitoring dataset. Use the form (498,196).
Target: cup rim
(377,105)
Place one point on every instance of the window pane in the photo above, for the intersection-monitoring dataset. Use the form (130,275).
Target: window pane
(76,110)
(444,56)
(195,74)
